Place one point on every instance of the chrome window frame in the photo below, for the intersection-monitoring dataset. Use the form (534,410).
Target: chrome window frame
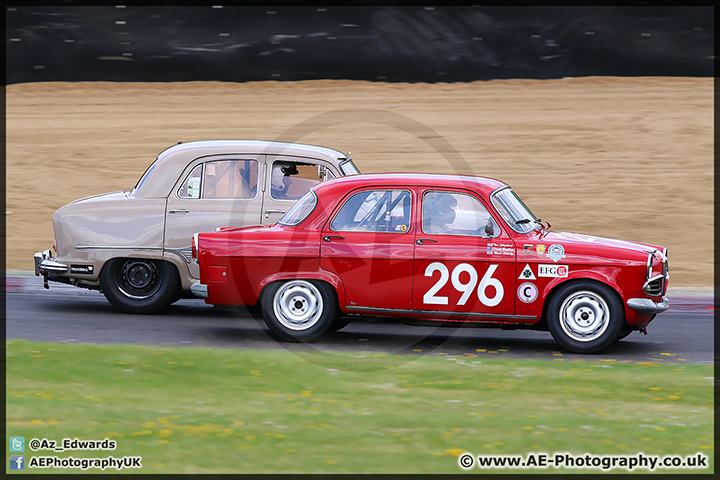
(453,192)
(512,227)
(402,189)
(204,162)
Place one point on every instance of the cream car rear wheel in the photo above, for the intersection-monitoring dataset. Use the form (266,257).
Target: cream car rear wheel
(138,285)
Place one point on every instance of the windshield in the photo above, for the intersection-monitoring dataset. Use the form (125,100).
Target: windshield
(300,210)
(349,168)
(513,211)
(144,176)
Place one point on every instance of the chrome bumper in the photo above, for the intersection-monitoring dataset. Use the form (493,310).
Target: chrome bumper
(199,290)
(645,305)
(45,263)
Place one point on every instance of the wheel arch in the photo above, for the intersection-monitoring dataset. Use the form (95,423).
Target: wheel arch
(553,289)
(163,288)
(327,277)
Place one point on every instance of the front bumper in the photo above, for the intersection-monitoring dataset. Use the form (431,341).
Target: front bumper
(45,263)
(645,305)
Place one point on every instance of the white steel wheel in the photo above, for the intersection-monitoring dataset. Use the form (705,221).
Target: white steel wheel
(298,305)
(299,310)
(585,316)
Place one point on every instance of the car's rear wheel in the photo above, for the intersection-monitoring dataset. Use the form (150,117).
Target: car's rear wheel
(139,285)
(585,317)
(299,310)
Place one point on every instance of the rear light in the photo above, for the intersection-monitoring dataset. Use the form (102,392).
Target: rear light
(194,247)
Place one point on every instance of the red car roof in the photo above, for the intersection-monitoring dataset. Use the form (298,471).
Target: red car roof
(482,185)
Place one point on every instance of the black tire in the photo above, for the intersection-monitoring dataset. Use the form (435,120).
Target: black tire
(299,310)
(339,324)
(138,285)
(178,295)
(585,316)
(623,334)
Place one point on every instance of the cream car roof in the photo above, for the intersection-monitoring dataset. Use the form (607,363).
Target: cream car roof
(171,162)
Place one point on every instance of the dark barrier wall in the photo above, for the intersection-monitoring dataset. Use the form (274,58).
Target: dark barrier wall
(398,44)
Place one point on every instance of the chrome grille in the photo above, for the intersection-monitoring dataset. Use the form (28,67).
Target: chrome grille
(655,286)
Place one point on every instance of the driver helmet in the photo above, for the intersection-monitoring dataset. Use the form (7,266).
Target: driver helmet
(442,208)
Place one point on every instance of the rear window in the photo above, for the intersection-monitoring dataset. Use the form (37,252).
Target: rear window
(300,211)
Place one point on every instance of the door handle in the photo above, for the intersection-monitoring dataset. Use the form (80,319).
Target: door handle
(328,238)
(420,241)
(268,212)
(180,210)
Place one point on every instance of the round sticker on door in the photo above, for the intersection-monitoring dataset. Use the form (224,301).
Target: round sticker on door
(527,292)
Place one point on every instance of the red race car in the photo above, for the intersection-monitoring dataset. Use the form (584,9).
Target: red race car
(439,248)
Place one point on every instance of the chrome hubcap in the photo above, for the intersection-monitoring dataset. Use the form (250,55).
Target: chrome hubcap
(298,305)
(584,316)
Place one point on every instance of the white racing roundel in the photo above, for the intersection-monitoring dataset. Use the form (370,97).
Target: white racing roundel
(527,292)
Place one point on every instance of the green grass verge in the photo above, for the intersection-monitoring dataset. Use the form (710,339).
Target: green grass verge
(197,410)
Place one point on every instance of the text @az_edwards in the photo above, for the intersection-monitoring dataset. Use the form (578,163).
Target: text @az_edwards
(37,444)
(586,461)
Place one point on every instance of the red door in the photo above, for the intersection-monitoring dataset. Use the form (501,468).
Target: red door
(368,243)
(463,269)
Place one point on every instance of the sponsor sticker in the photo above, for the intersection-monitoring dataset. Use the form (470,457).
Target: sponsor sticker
(527,273)
(553,271)
(527,249)
(527,292)
(540,249)
(556,252)
(86,269)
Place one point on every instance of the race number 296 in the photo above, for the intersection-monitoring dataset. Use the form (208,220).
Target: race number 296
(431,297)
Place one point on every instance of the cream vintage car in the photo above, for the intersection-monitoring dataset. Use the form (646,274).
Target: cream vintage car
(135,245)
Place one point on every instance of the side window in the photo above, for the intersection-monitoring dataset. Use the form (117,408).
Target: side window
(375,211)
(191,187)
(229,179)
(292,180)
(449,213)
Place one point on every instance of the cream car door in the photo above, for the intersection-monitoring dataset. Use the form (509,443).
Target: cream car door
(219,191)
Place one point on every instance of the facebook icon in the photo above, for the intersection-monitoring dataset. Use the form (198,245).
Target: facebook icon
(17,462)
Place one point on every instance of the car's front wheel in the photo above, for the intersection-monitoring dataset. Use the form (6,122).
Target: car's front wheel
(299,310)
(139,285)
(585,317)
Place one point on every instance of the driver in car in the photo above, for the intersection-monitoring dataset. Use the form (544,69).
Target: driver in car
(281,180)
(439,212)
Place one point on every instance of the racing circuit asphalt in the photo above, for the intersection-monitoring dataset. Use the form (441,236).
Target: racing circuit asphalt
(683,334)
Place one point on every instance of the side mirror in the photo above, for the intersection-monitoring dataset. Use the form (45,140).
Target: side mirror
(489,228)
